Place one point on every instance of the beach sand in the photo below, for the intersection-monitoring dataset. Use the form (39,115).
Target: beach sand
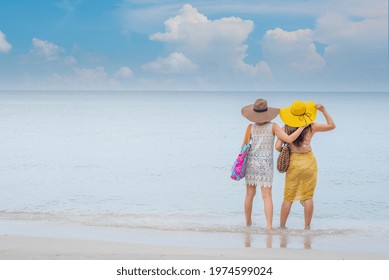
(13,247)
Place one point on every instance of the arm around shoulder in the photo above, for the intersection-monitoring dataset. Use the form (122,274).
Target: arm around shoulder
(280,133)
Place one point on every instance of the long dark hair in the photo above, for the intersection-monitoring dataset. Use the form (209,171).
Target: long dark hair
(289,130)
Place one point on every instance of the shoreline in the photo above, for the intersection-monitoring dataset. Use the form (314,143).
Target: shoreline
(44,240)
(15,247)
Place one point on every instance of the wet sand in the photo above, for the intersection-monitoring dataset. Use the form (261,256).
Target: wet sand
(44,248)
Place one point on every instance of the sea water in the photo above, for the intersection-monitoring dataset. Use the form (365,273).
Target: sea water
(160,162)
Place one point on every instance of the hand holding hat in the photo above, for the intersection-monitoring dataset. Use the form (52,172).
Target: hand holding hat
(320,107)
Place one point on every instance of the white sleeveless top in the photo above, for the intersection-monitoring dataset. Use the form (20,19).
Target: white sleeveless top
(259,170)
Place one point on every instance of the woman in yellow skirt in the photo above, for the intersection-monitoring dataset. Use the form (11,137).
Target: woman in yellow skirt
(301,176)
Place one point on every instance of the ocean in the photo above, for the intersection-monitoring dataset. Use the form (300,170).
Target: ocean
(154,167)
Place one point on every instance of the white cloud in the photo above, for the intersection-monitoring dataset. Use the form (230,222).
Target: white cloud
(294,50)
(175,63)
(4,45)
(193,32)
(357,47)
(49,51)
(124,73)
(179,27)
(261,68)
(217,47)
(337,28)
(355,31)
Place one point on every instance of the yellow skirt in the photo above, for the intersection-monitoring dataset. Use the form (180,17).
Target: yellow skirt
(301,177)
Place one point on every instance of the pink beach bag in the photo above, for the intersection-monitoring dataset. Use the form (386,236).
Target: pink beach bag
(238,169)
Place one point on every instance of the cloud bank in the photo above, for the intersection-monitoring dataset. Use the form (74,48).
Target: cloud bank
(222,45)
(345,45)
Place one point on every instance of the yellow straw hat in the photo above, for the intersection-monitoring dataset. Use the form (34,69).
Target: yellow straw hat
(299,114)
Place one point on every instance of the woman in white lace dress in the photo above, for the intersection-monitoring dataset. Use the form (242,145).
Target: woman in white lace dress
(259,170)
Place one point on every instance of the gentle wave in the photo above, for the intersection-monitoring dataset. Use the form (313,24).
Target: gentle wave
(160,222)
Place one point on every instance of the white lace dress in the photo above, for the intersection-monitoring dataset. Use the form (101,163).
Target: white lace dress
(259,170)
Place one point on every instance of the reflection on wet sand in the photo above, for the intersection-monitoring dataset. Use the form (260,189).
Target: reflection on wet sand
(284,240)
(247,242)
(269,236)
(269,240)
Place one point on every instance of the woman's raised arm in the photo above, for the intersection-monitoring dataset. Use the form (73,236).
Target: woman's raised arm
(330,125)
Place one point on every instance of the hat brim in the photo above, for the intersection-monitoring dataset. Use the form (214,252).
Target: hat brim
(298,121)
(249,113)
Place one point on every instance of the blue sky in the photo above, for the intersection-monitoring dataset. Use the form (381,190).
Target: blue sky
(194,45)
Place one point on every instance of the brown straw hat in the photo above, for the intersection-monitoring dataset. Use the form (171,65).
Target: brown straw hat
(259,112)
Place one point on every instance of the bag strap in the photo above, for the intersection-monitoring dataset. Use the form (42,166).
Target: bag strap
(284,143)
(247,135)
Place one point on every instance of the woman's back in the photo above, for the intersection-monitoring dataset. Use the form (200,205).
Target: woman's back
(260,158)
(301,176)
(305,143)
(262,140)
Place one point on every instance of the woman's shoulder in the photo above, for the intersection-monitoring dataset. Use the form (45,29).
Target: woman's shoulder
(274,125)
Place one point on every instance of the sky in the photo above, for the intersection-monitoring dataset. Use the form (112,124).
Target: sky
(247,45)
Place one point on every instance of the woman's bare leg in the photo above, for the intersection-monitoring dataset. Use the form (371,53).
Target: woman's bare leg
(285,210)
(308,212)
(268,206)
(248,203)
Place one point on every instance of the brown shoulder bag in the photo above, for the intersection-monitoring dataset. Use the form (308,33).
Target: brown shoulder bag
(283,158)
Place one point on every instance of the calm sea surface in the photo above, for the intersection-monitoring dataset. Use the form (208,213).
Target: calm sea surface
(161,161)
